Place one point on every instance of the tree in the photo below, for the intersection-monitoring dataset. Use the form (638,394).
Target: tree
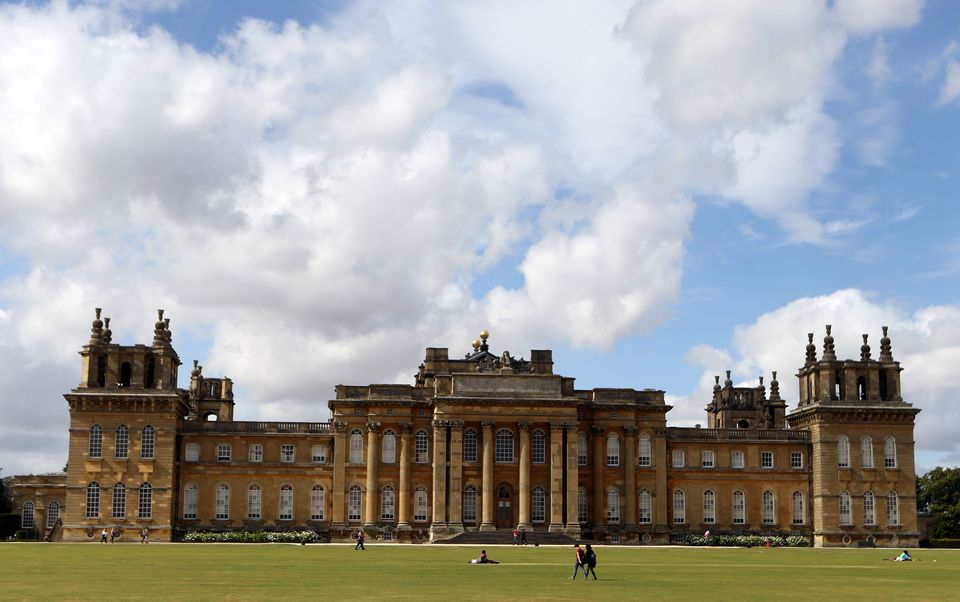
(938,492)
(6,494)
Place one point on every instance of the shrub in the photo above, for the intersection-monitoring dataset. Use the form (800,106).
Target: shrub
(25,535)
(945,543)
(252,537)
(9,523)
(793,541)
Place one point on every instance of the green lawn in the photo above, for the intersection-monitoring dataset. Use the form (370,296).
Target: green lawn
(90,571)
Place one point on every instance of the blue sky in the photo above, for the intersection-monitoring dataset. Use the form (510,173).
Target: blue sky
(316,191)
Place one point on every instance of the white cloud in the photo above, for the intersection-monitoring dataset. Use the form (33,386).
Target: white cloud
(924,342)
(867,16)
(950,90)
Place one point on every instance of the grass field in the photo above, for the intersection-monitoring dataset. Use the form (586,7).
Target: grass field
(34,571)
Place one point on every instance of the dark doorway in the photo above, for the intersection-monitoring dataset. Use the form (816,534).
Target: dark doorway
(125,373)
(504,507)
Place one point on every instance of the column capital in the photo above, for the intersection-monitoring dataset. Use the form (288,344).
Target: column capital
(487,425)
(406,428)
(630,431)
(340,427)
(557,426)
(374,427)
(439,424)
(596,431)
(456,425)
(524,426)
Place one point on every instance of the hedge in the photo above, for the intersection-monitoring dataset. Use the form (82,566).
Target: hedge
(792,541)
(252,537)
(945,543)
(9,523)
(26,535)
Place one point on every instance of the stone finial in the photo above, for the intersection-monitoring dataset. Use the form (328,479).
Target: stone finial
(811,351)
(158,328)
(762,389)
(167,334)
(829,352)
(774,388)
(728,382)
(96,328)
(197,369)
(107,335)
(886,351)
(864,350)
(484,335)
(716,383)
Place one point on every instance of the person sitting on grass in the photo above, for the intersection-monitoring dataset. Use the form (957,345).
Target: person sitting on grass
(904,557)
(483,559)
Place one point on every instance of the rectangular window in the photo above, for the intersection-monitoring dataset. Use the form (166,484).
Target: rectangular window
(145,505)
(470,446)
(223,452)
(709,508)
(222,503)
(420,505)
(766,459)
(286,453)
(254,503)
(470,505)
(122,441)
(645,516)
(739,509)
(318,454)
(582,515)
(119,501)
(708,459)
(613,450)
(796,459)
(316,503)
(255,453)
(192,452)
(643,452)
(93,501)
(736,460)
(581,449)
(679,458)
(285,510)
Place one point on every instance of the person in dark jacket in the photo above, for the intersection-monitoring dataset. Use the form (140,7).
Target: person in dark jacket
(590,558)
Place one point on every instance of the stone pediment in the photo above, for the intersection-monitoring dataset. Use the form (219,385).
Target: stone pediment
(524,386)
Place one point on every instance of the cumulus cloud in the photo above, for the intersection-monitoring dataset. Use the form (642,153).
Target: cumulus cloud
(950,90)
(924,342)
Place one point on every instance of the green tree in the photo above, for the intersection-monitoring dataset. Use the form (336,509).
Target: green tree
(6,493)
(938,492)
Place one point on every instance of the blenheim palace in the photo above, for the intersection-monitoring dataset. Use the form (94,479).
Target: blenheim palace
(480,445)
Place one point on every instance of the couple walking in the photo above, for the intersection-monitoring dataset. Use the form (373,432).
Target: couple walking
(586,560)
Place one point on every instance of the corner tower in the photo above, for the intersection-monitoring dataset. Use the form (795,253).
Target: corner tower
(863,472)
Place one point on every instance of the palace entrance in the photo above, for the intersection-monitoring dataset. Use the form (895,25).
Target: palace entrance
(504,507)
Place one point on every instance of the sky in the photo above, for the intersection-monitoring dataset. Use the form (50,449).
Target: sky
(316,191)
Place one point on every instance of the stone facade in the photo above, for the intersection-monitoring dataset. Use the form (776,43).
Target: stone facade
(485,443)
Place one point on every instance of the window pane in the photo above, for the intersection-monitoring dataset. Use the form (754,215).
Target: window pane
(147,442)
(95,446)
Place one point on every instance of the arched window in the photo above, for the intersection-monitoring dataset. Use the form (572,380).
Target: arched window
(645,516)
(387,503)
(53,514)
(739,508)
(354,499)
(92,509)
(469,504)
(613,506)
(843,451)
(769,508)
(422,447)
(889,452)
(846,513)
(388,449)
(148,440)
(679,507)
(122,441)
(470,445)
(538,503)
(222,502)
(420,504)
(582,515)
(285,508)
(869,512)
(866,452)
(581,449)
(190,502)
(316,503)
(613,450)
(26,516)
(504,450)
(254,502)
(145,502)
(95,443)
(538,454)
(356,447)
(797,518)
(893,509)
(119,501)
(709,507)
(643,445)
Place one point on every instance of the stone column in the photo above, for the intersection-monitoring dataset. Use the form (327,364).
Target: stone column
(455,495)
(556,477)
(439,476)
(524,429)
(339,476)
(661,495)
(404,519)
(630,477)
(597,463)
(573,482)
(487,520)
(372,515)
